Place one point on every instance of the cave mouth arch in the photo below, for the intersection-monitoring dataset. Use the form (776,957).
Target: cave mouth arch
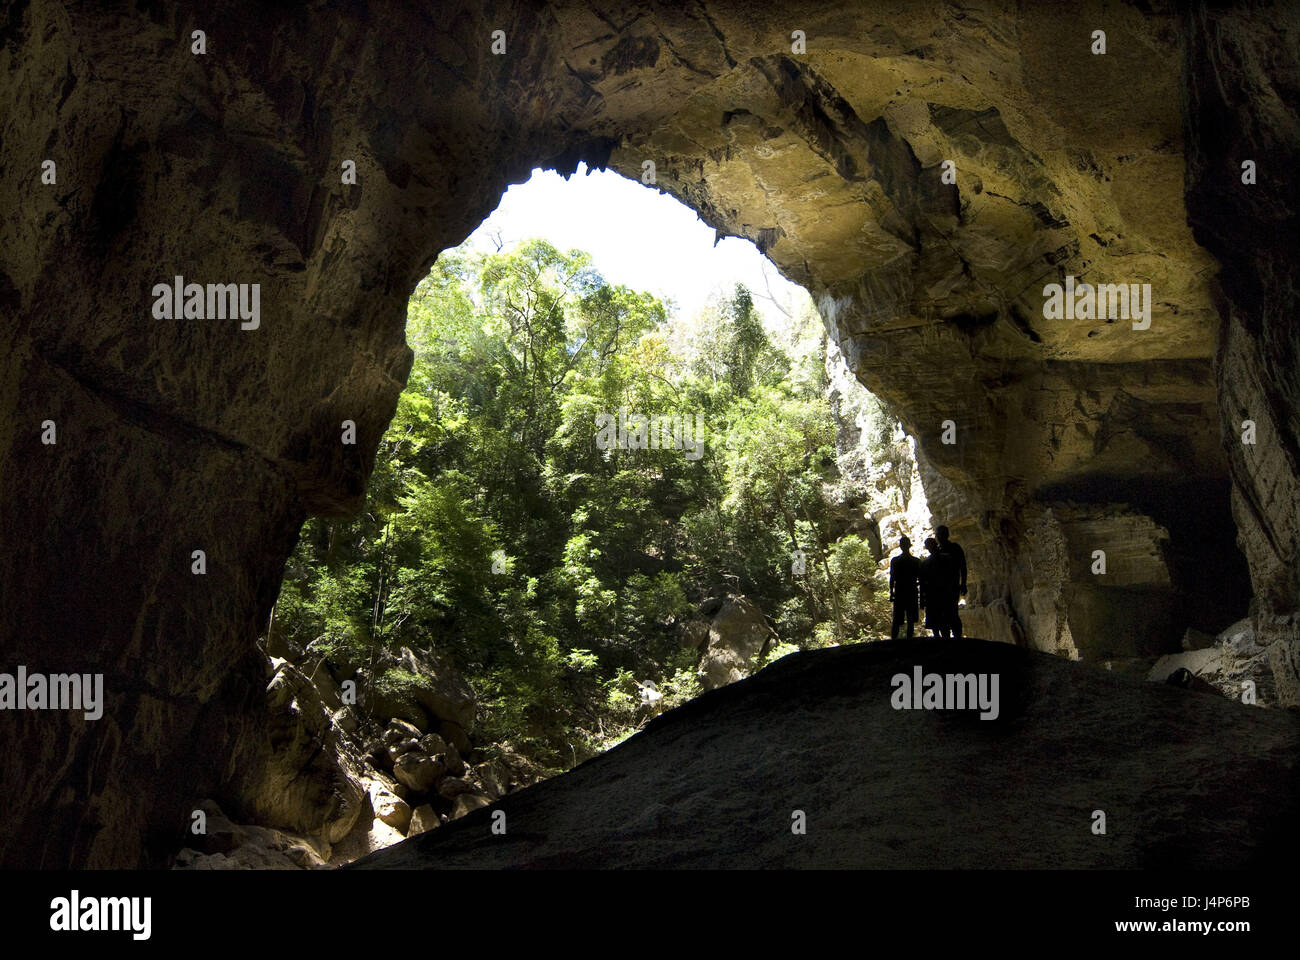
(1160,559)
(439,457)
(227,169)
(925,211)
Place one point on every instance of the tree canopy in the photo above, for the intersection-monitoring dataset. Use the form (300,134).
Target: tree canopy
(552,569)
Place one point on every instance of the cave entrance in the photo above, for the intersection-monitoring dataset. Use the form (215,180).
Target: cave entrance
(627,467)
(593,475)
(921,191)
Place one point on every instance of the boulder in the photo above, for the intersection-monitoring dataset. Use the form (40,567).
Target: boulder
(1249,662)
(1196,662)
(1239,640)
(390,808)
(385,781)
(1194,639)
(248,858)
(219,834)
(243,847)
(515,772)
(485,775)
(467,802)
(695,633)
(418,770)
(187,859)
(368,837)
(738,636)
(306,779)
(1184,678)
(455,735)
(399,740)
(420,688)
(399,730)
(369,834)
(442,691)
(317,671)
(345,720)
(1235,663)
(432,744)
(452,787)
(423,819)
(381,701)
(453,761)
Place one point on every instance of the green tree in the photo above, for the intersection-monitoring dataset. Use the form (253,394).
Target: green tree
(555,573)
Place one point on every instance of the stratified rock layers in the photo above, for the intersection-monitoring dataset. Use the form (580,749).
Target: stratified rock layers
(227,167)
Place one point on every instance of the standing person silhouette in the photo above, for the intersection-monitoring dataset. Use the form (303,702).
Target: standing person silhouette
(955,560)
(904,571)
(936,585)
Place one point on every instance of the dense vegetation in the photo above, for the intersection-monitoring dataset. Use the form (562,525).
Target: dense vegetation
(556,573)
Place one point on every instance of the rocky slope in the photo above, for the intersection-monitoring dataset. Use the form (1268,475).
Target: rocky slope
(1234,664)
(335,780)
(1184,780)
(227,163)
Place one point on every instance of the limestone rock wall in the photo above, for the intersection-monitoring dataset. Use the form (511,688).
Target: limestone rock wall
(833,164)
(225,167)
(880,483)
(193,434)
(1241,101)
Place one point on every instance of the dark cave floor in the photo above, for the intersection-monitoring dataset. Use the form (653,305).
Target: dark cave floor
(1184,779)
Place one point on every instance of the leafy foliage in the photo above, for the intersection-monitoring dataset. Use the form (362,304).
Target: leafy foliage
(557,574)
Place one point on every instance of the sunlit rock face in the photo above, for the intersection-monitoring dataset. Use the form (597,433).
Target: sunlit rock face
(834,162)
(227,167)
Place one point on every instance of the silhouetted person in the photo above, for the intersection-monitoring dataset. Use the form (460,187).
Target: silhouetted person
(955,560)
(904,571)
(938,590)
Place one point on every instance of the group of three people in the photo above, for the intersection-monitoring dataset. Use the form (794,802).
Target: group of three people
(935,584)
